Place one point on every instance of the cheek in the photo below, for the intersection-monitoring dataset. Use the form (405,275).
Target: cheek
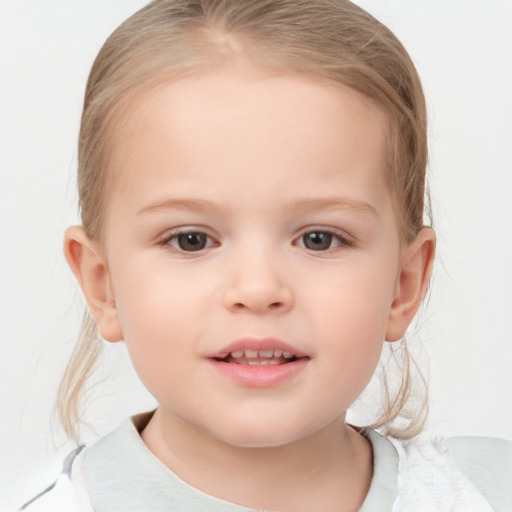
(354,299)
(159,341)
(158,311)
(152,293)
(351,313)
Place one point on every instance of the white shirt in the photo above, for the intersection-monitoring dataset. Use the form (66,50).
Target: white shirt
(119,474)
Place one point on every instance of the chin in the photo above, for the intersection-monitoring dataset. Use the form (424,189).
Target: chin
(258,441)
(256,435)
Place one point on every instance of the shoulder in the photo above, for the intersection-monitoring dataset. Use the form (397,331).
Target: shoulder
(67,493)
(473,473)
(58,497)
(487,463)
(86,467)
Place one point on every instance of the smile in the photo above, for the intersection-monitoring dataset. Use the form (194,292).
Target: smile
(259,362)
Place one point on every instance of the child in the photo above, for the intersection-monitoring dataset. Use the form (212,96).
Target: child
(251,180)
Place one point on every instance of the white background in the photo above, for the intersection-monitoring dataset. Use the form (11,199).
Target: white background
(463,50)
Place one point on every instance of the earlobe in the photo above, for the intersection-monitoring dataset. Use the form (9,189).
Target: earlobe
(90,270)
(416,268)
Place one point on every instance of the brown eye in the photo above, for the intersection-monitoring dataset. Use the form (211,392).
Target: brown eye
(190,242)
(317,240)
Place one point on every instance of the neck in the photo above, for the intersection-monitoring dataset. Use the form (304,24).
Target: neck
(328,470)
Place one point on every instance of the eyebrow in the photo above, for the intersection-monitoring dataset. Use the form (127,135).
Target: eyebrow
(197,205)
(300,205)
(331,204)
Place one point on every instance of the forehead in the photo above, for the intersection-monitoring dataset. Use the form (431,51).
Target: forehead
(236,124)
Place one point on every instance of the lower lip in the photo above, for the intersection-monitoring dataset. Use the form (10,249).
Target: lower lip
(260,376)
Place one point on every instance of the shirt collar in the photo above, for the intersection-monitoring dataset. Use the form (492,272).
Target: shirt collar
(121,473)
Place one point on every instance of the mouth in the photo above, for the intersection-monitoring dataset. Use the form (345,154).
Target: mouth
(258,351)
(259,362)
(265,357)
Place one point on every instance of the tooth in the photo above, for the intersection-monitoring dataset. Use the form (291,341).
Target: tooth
(251,353)
(287,355)
(273,361)
(223,355)
(237,353)
(253,363)
(278,353)
(266,353)
(265,363)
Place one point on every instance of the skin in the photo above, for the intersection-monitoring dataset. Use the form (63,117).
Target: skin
(255,161)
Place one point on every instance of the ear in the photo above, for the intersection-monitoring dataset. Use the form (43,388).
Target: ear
(84,258)
(412,283)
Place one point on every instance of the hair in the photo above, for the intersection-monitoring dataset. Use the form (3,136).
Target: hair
(331,40)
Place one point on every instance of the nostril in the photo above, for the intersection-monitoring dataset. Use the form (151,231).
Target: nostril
(239,306)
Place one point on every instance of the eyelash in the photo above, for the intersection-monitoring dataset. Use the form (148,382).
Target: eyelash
(342,240)
(166,242)
(334,236)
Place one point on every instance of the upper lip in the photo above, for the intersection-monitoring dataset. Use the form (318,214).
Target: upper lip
(257,343)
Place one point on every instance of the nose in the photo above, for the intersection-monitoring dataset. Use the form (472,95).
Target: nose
(257,283)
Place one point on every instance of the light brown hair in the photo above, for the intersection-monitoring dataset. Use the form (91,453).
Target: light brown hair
(330,39)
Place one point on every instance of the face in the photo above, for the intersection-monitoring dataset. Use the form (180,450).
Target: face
(252,251)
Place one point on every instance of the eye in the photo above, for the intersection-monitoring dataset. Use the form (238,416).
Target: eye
(322,240)
(191,241)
